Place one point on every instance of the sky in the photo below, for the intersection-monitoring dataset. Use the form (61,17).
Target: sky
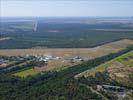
(66,8)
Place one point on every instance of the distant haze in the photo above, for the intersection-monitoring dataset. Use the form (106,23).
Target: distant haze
(66,8)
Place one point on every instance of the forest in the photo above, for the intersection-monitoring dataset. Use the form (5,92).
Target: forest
(63,32)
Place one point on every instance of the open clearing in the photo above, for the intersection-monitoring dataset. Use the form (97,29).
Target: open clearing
(120,69)
(64,53)
(88,52)
(25,73)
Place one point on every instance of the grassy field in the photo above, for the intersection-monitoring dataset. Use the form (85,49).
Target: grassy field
(126,59)
(118,67)
(25,73)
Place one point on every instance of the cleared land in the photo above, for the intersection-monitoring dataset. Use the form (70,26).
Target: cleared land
(88,52)
(25,73)
(119,69)
(64,53)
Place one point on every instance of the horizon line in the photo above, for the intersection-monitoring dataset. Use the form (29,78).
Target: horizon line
(65,16)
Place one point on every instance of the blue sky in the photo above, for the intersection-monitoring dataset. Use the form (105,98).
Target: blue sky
(66,8)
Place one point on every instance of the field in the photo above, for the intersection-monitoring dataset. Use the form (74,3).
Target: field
(126,59)
(65,53)
(25,73)
(120,69)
